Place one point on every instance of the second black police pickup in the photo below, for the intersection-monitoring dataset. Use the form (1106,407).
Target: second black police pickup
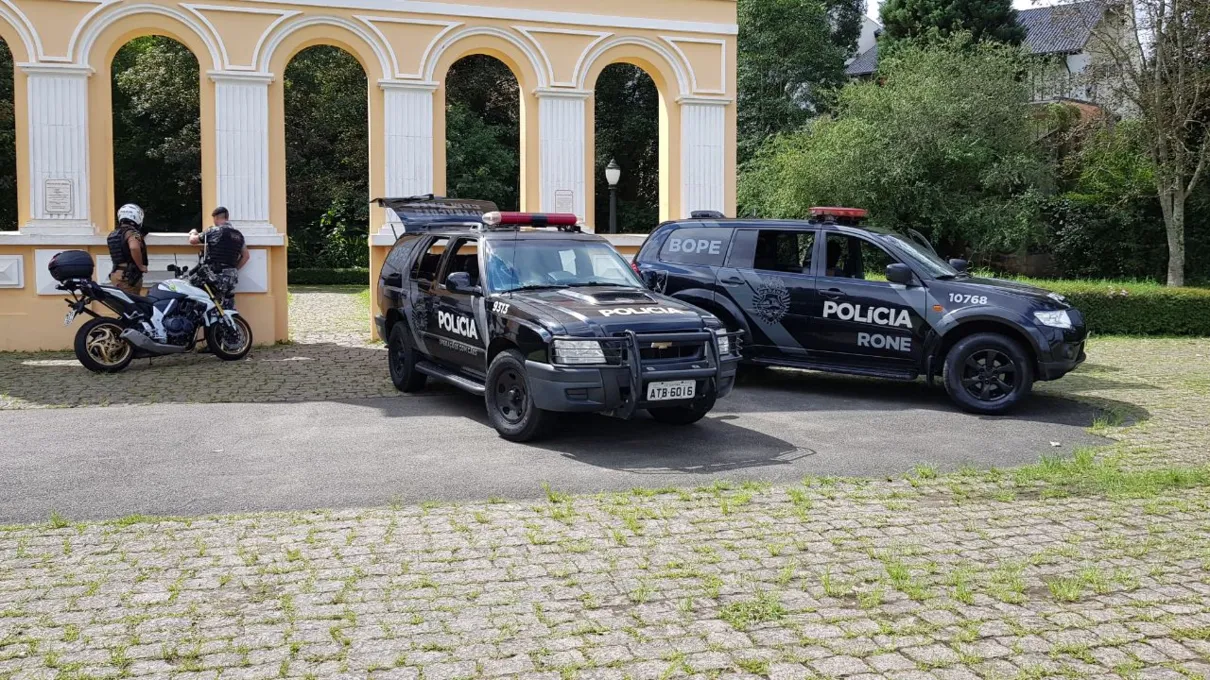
(540,321)
(829,294)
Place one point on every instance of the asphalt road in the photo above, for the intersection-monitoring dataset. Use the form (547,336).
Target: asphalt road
(179,459)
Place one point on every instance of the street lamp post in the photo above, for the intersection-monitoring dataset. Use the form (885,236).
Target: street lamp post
(613,172)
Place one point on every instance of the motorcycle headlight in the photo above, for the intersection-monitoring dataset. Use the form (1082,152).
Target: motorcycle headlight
(724,341)
(1055,319)
(572,352)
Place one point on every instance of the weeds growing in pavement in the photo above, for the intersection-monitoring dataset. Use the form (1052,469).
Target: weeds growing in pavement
(1086,473)
(764,607)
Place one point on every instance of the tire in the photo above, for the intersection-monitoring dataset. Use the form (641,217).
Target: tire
(221,341)
(401,361)
(988,373)
(510,404)
(683,415)
(100,347)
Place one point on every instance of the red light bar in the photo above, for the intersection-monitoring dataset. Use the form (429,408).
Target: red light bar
(849,213)
(530,219)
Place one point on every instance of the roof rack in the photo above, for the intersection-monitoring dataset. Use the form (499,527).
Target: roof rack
(706,215)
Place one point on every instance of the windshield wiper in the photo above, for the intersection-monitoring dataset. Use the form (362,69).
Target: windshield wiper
(584,284)
(535,286)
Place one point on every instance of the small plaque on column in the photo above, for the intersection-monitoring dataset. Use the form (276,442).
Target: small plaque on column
(57,197)
(565,201)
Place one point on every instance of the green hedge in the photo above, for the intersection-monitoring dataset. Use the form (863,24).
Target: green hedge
(1116,308)
(329,277)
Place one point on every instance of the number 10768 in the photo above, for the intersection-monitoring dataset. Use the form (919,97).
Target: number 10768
(968,299)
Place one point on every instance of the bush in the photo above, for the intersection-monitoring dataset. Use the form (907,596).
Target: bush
(358,276)
(1117,308)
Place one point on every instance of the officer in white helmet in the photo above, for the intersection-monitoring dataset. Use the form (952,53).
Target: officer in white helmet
(128,250)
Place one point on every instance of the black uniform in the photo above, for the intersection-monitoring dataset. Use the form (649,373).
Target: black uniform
(223,247)
(128,274)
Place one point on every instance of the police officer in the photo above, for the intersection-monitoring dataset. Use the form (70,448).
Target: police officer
(128,250)
(225,253)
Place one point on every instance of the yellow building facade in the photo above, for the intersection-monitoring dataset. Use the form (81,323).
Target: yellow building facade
(63,51)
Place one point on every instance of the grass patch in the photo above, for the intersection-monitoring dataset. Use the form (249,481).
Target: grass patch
(1086,474)
(764,607)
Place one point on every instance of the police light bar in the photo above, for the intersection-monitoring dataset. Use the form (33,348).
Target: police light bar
(523,219)
(845,213)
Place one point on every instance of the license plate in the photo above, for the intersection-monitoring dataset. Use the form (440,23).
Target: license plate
(71,316)
(666,391)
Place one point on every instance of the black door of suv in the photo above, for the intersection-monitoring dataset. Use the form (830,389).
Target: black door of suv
(768,275)
(456,334)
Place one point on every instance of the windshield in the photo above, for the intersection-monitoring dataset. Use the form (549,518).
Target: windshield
(551,263)
(922,256)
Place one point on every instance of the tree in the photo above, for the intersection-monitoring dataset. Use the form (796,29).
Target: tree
(628,130)
(942,143)
(157,161)
(982,19)
(483,131)
(8,143)
(1159,67)
(791,54)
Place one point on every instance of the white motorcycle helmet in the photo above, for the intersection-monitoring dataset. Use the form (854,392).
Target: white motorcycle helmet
(131,213)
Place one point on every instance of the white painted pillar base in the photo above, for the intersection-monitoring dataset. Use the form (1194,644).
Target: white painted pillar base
(703,154)
(58,150)
(407,130)
(561,147)
(241,136)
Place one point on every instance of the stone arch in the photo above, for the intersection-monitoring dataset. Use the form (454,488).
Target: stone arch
(17,32)
(671,81)
(111,30)
(517,54)
(297,34)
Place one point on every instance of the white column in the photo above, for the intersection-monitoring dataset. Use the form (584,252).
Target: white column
(241,138)
(561,148)
(57,124)
(703,157)
(407,130)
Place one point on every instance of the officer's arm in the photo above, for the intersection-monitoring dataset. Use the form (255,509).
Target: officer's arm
(136,252)
(244,256)
(195,239)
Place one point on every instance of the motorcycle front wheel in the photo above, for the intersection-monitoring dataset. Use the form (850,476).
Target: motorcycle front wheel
(101,348)
(230,339)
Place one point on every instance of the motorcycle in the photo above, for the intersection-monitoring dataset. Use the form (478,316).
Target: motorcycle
(167,321)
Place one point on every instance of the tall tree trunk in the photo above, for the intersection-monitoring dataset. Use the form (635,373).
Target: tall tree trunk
(1173,203)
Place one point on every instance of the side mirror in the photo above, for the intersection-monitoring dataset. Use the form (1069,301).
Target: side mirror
(899,273)
(460,282)
(960,265)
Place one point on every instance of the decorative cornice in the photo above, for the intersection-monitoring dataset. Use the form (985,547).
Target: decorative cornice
(56,69)
(396,84)
(241,76)
(561,92)
(706,101)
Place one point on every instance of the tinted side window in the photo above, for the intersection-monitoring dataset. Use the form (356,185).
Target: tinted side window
(784,251)
(426,265)
(465,258)
(696,246)
(397,260)
(852,257)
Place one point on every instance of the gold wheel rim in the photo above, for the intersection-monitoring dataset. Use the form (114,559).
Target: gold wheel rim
(106,346)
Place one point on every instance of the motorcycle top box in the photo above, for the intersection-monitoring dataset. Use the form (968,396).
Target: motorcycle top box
(71,264)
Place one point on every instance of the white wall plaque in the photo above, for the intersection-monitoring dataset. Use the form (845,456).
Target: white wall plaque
(565,201)
(57,196)
(11,271)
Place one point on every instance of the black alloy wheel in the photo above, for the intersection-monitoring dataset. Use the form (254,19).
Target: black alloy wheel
(511,396)
(510,401)
(988,373)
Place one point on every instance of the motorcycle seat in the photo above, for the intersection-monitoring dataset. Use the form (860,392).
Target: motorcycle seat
(137,299)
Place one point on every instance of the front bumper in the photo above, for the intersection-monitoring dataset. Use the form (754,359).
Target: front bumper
(1063,350)
(621,389)
(380,322)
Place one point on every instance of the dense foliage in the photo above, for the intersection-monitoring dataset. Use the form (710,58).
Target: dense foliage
(483,131)
(628,131)
(8,144)
(1114,308)
(941,143)
(983,20)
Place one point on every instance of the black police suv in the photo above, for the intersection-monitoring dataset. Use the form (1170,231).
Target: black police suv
(829,294)
(540,320)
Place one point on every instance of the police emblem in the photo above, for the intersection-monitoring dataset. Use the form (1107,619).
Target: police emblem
(772,301)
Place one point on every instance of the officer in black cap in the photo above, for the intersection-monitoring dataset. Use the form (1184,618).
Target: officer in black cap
(225,253)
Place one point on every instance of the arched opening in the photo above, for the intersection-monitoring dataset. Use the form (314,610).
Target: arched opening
(627,131)
(483,131)
(157,161)
(327,171)
(8,142)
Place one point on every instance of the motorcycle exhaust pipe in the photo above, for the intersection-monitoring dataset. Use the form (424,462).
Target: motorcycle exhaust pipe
(147,344)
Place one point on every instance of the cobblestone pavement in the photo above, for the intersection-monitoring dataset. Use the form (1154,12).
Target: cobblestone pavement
(1095,568)
(330,357)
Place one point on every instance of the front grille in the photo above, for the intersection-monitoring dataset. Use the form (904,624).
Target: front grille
(674,353)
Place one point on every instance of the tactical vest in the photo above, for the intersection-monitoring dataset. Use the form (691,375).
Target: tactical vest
(223,247)
(119,249)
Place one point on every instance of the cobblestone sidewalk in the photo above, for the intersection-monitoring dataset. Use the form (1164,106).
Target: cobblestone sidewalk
(330,358)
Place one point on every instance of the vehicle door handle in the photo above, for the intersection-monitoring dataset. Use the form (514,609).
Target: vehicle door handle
(833,293)
(732,281)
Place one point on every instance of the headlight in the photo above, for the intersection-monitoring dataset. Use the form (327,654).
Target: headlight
(724,341)
(578,352)
(1054,319)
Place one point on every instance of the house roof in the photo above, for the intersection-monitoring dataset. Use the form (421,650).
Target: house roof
(1061,29)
